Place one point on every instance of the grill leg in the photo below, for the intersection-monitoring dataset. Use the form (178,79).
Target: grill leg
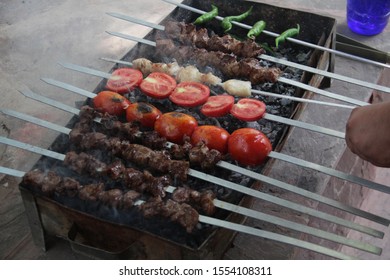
(34,220)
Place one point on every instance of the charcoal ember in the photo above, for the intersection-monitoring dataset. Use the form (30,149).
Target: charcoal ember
(129,198)
(91,192)
(69,187)
(113,197)
(84,163)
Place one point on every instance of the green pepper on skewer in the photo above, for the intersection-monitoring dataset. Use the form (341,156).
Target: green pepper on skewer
(227,21)
(257,28)
(207,16)
(287,34)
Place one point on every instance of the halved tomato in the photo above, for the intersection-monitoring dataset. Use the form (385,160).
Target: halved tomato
(217,106)
(249,146)
(248,109)
(110,102)
(144,113)
(123,80)
(214,137)
(174,126)
(158,85)
(190,94)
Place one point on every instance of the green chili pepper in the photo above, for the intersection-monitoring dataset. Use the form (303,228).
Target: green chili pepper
(287,34)
(227,21)
(257,28)
(207,16)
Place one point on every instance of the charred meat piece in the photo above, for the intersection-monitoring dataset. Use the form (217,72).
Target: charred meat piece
(202,200)
(84,163)
(181,213)
(156,160)
(33,178)
(69,187)
(180,151)
(129,198)
(116,170)
(188,34)
(228,64)
(153,140)
(91,192)
(112,197)
(152,207)
(202,156)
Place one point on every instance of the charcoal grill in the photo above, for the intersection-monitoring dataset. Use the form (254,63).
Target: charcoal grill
(119,240)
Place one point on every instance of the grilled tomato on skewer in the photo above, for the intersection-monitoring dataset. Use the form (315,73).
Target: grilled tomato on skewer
(110,102)
(174,126)
(217,106)
(124,80)
(190,94)
(214,137)
(158,85)
(248,109)
(249,146)
(144,113)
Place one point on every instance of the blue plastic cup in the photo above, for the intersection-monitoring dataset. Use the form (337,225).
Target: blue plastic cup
(368,17)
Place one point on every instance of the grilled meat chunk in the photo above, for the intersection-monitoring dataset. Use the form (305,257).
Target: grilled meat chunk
(181,213)
(84,163)
(91,192)
(129,198)
(112,197)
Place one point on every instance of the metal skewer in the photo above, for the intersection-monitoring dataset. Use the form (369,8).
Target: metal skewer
(231,167)
(260,92)
(275,155)
(280,79)
(293,40)
(273,59)
(240,210)
(262,233)
(266,116)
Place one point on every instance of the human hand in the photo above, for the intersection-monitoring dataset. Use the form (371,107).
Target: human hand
(368,133)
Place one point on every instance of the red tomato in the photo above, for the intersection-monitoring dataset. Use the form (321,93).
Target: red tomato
(158,85)
(190,94)
(213,136)
(123,80)
(248,109)
(144,113)
(110,102)
(249,146)
(217,106)
(174,126)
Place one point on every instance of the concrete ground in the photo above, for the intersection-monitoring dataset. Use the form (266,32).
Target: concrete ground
(36,34)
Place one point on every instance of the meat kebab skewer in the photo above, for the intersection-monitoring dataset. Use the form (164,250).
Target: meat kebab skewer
(266,116)
(217,58)
(134,201)
(234,168)
(226,184)
(294,40)
(187,33)
(306,164)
